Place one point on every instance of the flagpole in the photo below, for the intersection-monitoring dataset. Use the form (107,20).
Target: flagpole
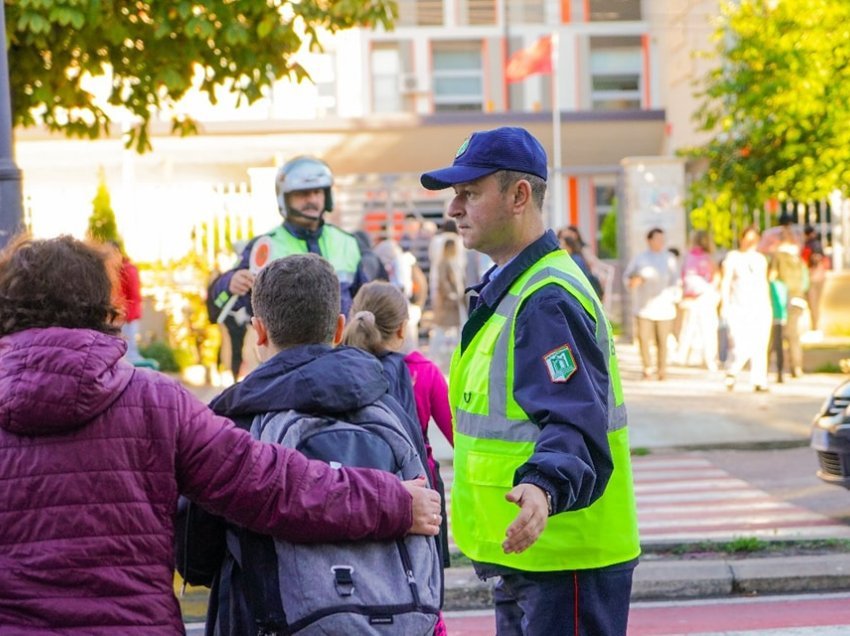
(557,208)
(11,209)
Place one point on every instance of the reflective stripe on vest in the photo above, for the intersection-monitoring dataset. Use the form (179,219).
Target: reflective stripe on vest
(494,437)
(496,424)
(339,248)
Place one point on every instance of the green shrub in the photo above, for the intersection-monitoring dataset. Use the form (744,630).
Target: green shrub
(608,233)
(163,354)
(828,367)
(102,225)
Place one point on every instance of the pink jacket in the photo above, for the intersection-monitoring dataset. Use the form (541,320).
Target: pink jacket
(432,398)
(94,454)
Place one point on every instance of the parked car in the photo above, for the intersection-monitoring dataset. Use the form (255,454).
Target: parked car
(831,437)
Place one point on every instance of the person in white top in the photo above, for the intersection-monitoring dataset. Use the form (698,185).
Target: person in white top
(745,305)
(653,277)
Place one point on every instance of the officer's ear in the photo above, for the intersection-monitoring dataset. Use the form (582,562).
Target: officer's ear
(521,190)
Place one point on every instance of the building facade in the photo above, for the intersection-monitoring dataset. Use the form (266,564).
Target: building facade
(385,106)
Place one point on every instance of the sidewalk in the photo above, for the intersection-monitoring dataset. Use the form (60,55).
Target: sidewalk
(684,579)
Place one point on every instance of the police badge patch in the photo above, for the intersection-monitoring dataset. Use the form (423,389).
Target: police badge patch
(560,363)
(463,147)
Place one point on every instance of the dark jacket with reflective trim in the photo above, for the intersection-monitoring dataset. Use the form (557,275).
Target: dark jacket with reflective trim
(572,459)
(347,290)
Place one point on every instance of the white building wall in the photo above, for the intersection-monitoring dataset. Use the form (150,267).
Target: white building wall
(680,29)
(352,82)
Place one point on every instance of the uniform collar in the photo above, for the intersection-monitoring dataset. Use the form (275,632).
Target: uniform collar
(491,289)
(303,233)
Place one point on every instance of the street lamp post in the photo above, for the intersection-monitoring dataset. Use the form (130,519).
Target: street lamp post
(10,175)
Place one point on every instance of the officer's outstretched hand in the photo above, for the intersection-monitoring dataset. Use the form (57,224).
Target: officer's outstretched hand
(426,507)
(531,520)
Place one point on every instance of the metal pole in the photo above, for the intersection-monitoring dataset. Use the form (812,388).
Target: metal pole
(503,16)
(557,212)
(10,176)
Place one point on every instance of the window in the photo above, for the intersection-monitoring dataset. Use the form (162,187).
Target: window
(615,73)
(420,13)
(477,12)
(614,10)
(386,75)
(526,12)
(457,76)
(605,193)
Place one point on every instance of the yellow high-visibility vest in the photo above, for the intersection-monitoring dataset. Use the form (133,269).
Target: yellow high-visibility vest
(336,246)
(493,437)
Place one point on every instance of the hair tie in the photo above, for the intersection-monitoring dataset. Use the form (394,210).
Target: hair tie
(366,316)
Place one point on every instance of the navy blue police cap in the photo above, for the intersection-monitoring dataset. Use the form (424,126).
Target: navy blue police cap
(489,151)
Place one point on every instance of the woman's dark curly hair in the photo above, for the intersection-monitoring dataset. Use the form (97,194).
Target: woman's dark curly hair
(59,282)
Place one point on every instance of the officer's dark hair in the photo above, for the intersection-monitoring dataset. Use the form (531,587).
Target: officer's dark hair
(538,186)
(297,297)
(59,282)
(653,232)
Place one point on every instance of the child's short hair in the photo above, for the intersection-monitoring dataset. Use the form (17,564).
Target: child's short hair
(377,311)
(297,297)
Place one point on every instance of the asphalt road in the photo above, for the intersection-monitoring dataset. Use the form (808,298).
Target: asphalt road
(788,474)
(804,615)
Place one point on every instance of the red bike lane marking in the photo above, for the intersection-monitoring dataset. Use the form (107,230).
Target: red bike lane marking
(758,613)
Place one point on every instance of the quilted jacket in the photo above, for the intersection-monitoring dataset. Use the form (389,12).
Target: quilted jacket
(93,455)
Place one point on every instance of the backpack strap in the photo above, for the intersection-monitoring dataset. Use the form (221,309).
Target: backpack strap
(256,560)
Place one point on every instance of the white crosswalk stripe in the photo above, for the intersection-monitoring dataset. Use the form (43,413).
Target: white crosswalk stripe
(686,498)
(682,498)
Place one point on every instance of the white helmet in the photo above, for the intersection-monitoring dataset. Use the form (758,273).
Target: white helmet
(303,173)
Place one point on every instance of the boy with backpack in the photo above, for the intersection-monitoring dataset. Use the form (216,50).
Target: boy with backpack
(331,404)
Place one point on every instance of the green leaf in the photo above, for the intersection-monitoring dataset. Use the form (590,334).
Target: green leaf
(242,45)
(267,25)
(778,106)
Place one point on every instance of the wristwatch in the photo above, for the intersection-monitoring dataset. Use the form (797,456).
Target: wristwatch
(549,502)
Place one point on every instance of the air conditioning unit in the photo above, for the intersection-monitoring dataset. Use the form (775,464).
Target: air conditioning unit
(408,84)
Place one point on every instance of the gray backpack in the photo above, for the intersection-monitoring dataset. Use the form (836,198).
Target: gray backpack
(367,587)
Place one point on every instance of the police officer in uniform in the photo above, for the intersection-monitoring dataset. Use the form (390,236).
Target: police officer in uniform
(303,188)
(542,495)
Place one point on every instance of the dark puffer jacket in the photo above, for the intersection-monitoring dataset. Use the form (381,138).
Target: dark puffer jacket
(315,379)
(93,455)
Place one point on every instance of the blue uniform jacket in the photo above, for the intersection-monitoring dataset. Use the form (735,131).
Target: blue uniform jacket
(572,459)
(347,291)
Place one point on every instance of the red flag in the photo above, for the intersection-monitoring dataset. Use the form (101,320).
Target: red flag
(536,58)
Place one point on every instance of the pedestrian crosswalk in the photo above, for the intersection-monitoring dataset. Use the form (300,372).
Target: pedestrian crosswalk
(684,498)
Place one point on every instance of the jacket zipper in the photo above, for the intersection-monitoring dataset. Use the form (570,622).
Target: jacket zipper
(408,571)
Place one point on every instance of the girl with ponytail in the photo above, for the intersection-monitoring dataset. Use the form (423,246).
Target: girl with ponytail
(377,323)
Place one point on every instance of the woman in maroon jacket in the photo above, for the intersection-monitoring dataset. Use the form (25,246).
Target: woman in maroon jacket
(94,453)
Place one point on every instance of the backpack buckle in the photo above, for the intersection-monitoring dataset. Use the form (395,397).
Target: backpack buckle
(343,581)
